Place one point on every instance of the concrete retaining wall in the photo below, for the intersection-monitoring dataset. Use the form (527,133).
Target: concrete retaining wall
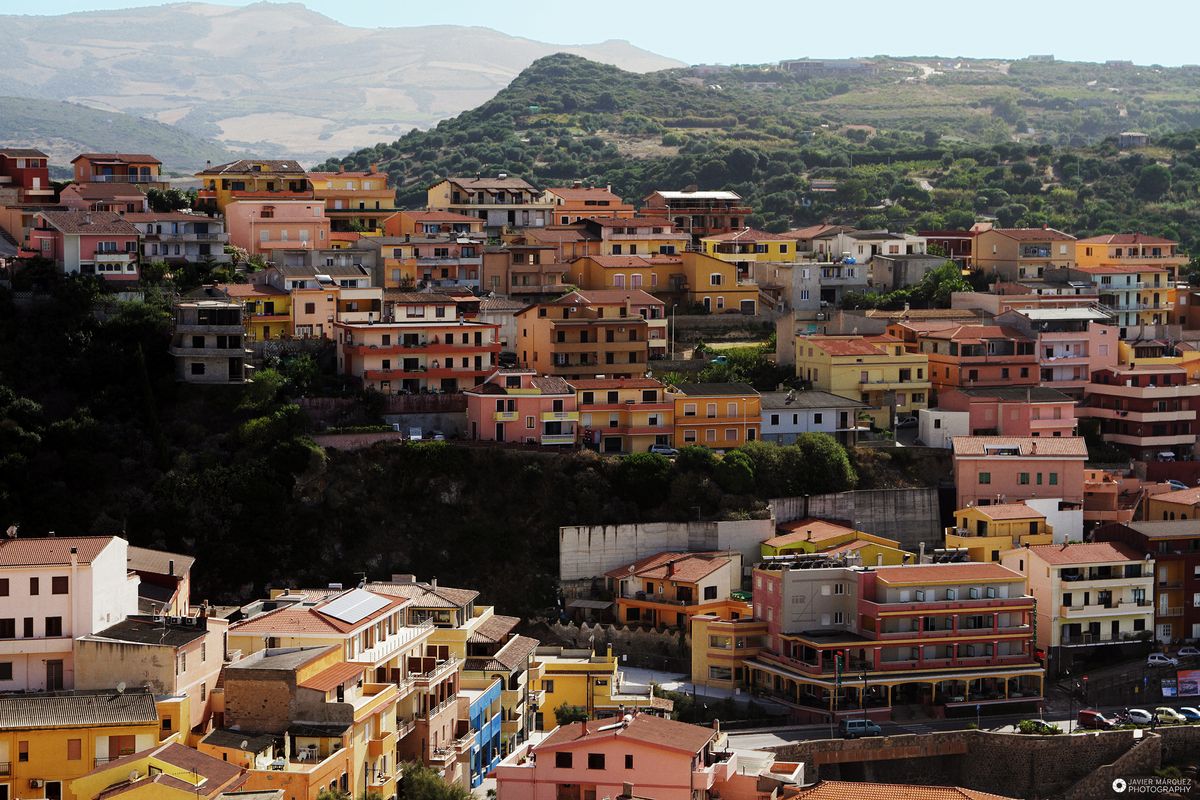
(588,551)
(909,515)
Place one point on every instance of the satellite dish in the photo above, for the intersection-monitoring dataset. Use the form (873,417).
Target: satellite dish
(133,775)
(245,743)
(121,687)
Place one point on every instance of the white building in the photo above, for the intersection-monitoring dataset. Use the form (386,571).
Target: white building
(52,591)
(935,427)
(786,415)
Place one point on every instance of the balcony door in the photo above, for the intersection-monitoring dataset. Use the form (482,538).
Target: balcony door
(54,676)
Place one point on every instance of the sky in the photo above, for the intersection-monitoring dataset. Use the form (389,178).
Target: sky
(760,31)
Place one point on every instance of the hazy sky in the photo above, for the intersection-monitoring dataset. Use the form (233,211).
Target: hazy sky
(758,31)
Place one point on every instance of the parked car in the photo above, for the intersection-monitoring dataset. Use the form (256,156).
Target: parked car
(854,728)
(438,436)
(1188,652)
(720,360)
(1174,484)
(1169,716)
(1095,720)
(1161,660)
(1139,716)
(414,434)
(1192,714)
(906,422)
(663,450)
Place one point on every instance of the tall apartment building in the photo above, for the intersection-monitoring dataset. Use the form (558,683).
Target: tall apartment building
(1018,253)
(699,213)
(1144,409)
(501,202)
(573,337)
(1175,547)
(208,343)
(1072,343)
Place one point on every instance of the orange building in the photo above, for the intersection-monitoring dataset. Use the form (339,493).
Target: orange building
(137,168)
(968,356)
(264,226)
(573,203)
(668,589)
(716,415)
(355,201)
(430,223)
(577,336)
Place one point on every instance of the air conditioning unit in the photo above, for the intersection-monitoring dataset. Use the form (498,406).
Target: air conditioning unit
(36,783)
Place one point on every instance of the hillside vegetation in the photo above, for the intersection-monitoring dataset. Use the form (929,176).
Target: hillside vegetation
(64,130)
(567,118)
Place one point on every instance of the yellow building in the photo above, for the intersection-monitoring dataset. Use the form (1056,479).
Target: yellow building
(624,415)
(987,531)
(875,369)
(1157,262)
(720,648)
(266,309)
(47,741)
(748,245)
(355,201)
(170,771)
(584,680)
(720,416)
(1183,504)
(820,536)
(697,278)
(250,179)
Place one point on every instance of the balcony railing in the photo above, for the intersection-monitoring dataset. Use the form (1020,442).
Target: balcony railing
(1170,611)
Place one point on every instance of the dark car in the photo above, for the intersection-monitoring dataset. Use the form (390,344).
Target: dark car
(1095,720)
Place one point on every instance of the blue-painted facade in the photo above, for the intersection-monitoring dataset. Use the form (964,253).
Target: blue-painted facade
(486,723)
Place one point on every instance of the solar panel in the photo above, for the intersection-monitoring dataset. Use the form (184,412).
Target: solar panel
(354,605)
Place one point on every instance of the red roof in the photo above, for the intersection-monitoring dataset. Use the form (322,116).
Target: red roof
(847,346)
(309,619)
(686,567)
(748,235)
(1086,553)
(1127,238)
(583,193)
(51,550)
(962,572)
(636,222)
(808,530)
(333,676)
(616,383)
(644,728)
(1002,511)
(1065,446)
(128,158)
(962,332)
(853,790)
(440,216)
(1034,234)
(1186,497)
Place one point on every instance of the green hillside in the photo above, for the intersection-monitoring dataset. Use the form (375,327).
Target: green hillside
(767,135)
(64,130)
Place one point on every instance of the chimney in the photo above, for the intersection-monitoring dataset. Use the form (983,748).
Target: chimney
(577,185)
(717,725)
(627,789)
(583,729)
(374,168)
(74,557)
(879,560)
(921,553)
(670,568)
(341,169)
(1033,449)
(433,584)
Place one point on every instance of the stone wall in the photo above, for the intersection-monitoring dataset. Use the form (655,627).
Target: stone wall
(1142,758)
(589,551)
(355,441)
(910,515)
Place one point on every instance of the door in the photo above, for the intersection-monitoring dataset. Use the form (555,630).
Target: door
(54,675)
(53,790)
(499,432)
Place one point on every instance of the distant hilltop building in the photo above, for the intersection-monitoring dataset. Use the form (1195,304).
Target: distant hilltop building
(831,66)
(1133,139)
(1045,59)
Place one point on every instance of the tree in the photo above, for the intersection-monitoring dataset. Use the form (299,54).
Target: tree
(1154,181)
(419,782)
(644,478)
(735,473)
(565,714)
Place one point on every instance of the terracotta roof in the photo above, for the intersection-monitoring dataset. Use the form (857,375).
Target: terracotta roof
(91,709)
(558,235)
(807,530)
(22,152)
(1086,553)
(1118,269)
(645,728)
(164,216)
(848,346)
(1009,511)
(143,559)
(550,384)
(310,619)
(978,332)
(104,191)
(848,547)
(492,183)
(333,676)
(1126,238)
(493,630)
(811,231)
(686,567)
(636,222)
(1186,497)
(716,389)
(88,222)
(923,313)
(515,652)
(847,790)
(1034,234)
(423,595)
(615,383)
(51,551)
(139,158)
(583,193)
(618,262)
(216,774)
(250,289)
(499,304)
(416,298)
(1065,446)
(747,235)
(962,572)
(246,166)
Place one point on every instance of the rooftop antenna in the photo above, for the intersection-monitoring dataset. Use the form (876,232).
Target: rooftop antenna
(362,580)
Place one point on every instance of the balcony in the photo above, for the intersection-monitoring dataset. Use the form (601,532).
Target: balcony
(388,647)
(210,352)
(1170,611)
(560,416)
(404,728)
(1179,415)
(381,745)
(114,258)
(139,179)
(506,416)
(437,673)
(1110,610)
(218,238)
(1177,440)
(556,439)
(1147,392)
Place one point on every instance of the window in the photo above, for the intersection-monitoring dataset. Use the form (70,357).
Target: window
(3,587)
(710,593)
(595,760)
(58,584)
(628,761)
(33,586)
(166,723)
(774,419)
(548,687)
(203,652)
(6,671)
(562,760)
(839,588)
(985,477)
(1053,478)
(74,749)
(54,626)
(731,434)
(27,627)
(1023,478)
(8,629)
(529,423)
(310,308)
(817,419)
(22,751)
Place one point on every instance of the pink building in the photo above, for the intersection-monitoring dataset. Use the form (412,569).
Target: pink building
(639,755)
(518,405)
(115,197)
(1009,469)
(87,242)
(263,226)
(24,176)
(1072,343)
(1031,411)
